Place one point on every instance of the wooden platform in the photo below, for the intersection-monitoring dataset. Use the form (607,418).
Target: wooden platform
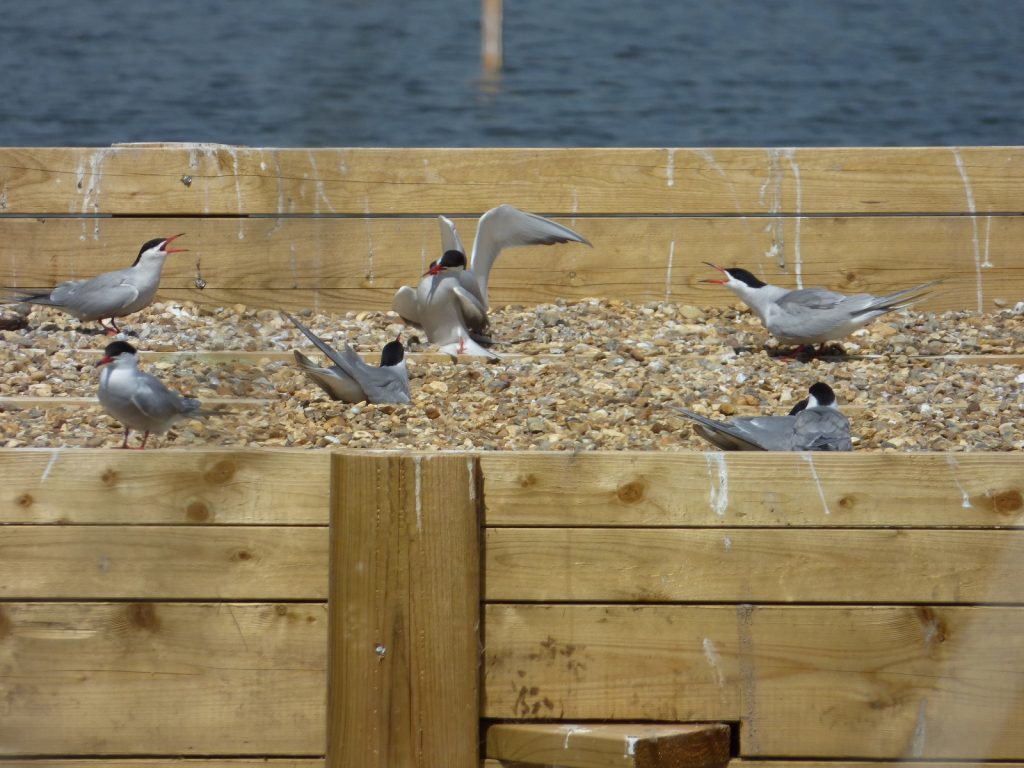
(306,609)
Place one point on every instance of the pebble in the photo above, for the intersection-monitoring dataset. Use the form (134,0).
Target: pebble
(588,375)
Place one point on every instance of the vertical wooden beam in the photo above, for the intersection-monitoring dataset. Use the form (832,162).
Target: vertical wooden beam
(490,35)
(404,612)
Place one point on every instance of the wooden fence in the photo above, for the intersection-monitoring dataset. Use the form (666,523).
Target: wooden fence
(284,604)
(299,609)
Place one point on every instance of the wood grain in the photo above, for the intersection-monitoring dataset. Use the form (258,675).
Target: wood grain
(168,762)
(611,745)
(76,562)
(817,682)
(820,565)
(405,611)
(181,487)
(354,264)
(161,679)
(216,180)
(639,489)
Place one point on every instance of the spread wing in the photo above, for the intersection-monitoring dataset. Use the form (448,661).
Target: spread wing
(450,240)
(507,227)
(407,305)
(474,314)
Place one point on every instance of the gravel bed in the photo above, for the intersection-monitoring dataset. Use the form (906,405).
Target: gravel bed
(588,375)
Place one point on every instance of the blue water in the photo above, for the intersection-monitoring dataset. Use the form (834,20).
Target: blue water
(577,73)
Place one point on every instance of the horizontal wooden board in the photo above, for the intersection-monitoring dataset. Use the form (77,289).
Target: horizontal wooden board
(851,682)
(819,565)
(162,679)
(611,745)
(348,264)
(755,763)
(750,489)
(69,562)
(168,762)
(216,179)
(189,486)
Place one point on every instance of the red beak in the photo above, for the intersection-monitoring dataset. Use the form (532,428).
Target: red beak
(715,282)
(106,359)
(170,240)
(434,270)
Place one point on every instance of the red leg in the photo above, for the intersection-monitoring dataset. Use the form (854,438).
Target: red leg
(145,437)
(125,443)
(462,344)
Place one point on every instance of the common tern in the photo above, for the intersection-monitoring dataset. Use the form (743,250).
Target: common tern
(814,424)
(812,315)
(139,400)
(451,301)
(111,294)
(352,380)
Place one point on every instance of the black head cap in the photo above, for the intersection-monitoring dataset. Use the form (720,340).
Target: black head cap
(745,277)
(823,393)
(146,246)
(452,259)
(392,354)
(116,348)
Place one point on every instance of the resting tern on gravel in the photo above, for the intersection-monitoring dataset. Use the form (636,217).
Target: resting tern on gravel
(812,315)
(139,400)
(111,294)
(350,379)
(814,424)
(450,303)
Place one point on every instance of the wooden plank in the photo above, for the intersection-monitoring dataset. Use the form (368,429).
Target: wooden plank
(818,565)
(217,180)
(754,763)
(343,264)
(405,611)
(611,745)
(181,487)
(166,762)
(746,489)
(846,682)
(163,562)
(162,679)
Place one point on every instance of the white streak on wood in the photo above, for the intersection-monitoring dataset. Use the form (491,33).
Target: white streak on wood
(670,168)
(965,502)
(233,154)
(817,481)
(748,675)
(969,192)
(920,730)
(471,471)
(49,466)
(718,494)
(988,235)
(321,193)
(727,544)
(797,264)
(575,207)
(714,661)
(280,195)
(631,746)
(91,190)
(369,242)
(572,730)
(770,196)
(668,274)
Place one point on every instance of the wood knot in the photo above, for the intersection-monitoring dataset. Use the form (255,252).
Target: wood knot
(24,501)
(933,625)
(109,477)
(220,473)
(143,616)
(281,610)
(197,511)
(631,492)
(847,502)
(1006,502)
(527,481)
(241,556)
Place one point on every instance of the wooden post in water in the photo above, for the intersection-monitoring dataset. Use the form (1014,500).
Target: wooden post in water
(490,42)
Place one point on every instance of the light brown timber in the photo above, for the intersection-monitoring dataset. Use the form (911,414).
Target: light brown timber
(205,179)
(817,682)
(181,487)
(74,562)
(718,489)
(405,611)
(611,745)
(141,678)
(357,264)
(168,762)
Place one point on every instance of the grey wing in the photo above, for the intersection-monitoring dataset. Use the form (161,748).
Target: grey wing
(474,313)
(389,384)
(821,429)
(719,433)
(345,359)
(155,401)
(506,227)
(334,381)
(450,240)
(407,305)
(102,296)
(816,298)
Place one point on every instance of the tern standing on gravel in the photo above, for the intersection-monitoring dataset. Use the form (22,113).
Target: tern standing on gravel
(450,303)
(814,424)
(111,294)
(353,381)
(812,315)
(139,400)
